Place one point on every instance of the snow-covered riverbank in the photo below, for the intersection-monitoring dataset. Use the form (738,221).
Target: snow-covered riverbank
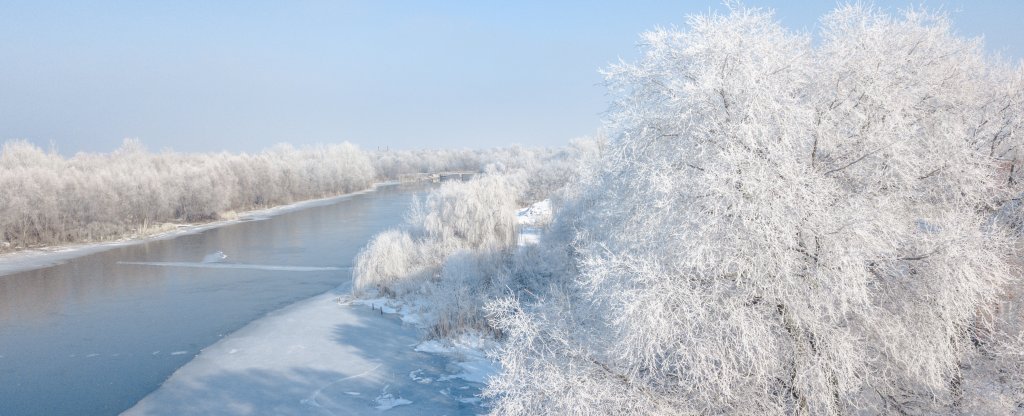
(35,258)
(319,356)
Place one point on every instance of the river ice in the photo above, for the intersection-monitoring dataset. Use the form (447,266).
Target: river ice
(319,356)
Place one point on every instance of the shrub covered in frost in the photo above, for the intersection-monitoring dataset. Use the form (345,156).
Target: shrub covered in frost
(448,253)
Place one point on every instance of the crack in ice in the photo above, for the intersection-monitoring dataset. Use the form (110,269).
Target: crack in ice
(311,400)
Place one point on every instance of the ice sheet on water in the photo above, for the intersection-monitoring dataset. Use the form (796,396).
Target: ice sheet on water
(387,401)
(351,353)
(216,257)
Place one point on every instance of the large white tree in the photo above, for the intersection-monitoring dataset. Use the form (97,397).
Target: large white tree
(780,227)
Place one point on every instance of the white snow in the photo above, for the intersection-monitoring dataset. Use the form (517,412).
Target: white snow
(325,355)
(415,375)
(469,353)
(531,220)
(386,401)
(379,303)
(409,310)
(537,214)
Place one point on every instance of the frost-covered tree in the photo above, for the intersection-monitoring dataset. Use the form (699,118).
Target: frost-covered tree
(780,228)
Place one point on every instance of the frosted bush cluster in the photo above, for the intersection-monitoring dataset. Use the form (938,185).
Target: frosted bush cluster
(456,249)
(447,251)
(784,227)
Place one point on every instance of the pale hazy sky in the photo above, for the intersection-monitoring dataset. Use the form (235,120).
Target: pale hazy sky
(244,75)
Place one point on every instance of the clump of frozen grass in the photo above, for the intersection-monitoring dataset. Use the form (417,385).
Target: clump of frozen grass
(390,263)
(466,282)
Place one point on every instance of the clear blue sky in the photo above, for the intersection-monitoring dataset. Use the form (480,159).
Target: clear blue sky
(244,75)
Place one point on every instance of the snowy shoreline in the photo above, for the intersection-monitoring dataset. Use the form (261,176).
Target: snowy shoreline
(336,354)
(40,257)
(324,355)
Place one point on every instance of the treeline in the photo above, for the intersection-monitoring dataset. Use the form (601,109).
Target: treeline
(48,199)
(778,226)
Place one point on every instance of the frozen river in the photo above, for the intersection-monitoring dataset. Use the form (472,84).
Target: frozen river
(95,335)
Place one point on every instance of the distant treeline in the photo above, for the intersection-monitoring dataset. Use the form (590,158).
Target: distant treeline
(47,199)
